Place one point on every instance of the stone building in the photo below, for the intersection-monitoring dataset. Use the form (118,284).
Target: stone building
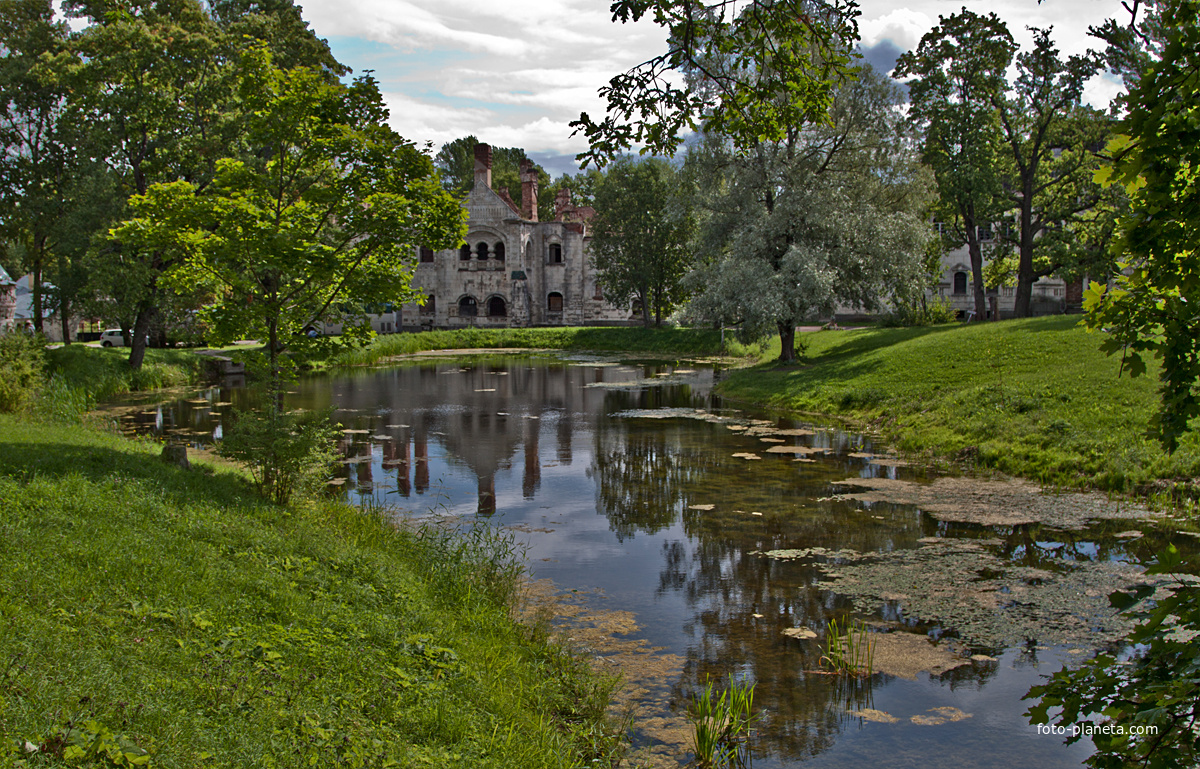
(8,301)
(1051,295)
(514,270)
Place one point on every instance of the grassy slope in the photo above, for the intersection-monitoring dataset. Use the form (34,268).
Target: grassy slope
(1031,397)
(176,612)
(105,372)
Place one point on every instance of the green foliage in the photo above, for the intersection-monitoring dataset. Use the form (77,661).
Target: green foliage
(1030,398)
(924,313)
(721,726)
(832,216)
(22,369)
(1150,307)
(330,214)
(753,73)
(171,610)
(849,648)
(455,162)
(103,373)
(680,341)
(956,70)
(640,237)
(1148,698)
(287,454)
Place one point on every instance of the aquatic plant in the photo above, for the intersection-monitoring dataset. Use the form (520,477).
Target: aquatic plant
(721,725)
(849,648)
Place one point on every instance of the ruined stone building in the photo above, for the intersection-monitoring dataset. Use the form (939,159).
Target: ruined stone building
(514,270)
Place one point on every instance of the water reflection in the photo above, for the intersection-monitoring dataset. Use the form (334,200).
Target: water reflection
(670,518)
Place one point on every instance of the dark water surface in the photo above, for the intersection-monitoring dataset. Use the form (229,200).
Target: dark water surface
(564,452)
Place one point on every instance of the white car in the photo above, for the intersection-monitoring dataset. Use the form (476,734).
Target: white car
(112,338)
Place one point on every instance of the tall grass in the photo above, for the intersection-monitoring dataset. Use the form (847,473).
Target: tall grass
(721,725)
(105,372)
(849,648)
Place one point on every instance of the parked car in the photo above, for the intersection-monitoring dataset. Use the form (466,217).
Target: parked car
(112,338)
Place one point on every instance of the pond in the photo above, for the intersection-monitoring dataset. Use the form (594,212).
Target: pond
(690,540)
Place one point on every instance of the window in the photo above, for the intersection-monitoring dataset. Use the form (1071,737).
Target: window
(1006,290)
(430,306)
(555,253)
(496,308)
(554,302)
(960,283)
(985,233)
(426,255)
(481,250)
(598,292)
(464,253)
(467,308)
(499,251)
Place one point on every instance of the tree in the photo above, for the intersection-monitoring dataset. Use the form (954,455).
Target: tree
(832,215)
(1151,305)
(957,68)
(35,168)
(152,94)
(640,237)
(329,212)
(753,72)
(1051,142)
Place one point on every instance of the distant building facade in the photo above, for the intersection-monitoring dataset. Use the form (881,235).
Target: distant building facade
(514,270)
(1050,296)
(8,301)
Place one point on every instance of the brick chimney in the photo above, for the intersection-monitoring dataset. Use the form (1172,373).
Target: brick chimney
(562,201)
(483,165)
(529,190)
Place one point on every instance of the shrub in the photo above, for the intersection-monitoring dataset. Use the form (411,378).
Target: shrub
(22,367)
(286,453)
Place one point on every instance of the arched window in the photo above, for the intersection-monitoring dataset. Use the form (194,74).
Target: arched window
(960,282)
(555,253)
(430,306)
(464,253)
(554,302)
(499,252)
(497,308)
(481,250)
(467,308)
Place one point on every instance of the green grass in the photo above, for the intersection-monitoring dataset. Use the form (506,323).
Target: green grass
(679,341)
(104,372)
(144,608)
(1033,397)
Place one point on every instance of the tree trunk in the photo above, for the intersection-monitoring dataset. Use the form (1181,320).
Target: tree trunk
(39,309)
(787,341)
(64,319)
(645,299)
(137,344)
(975,249)
(1023,306)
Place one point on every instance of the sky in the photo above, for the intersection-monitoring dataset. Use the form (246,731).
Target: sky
(515,74)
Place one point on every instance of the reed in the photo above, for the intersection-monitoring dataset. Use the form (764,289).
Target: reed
(721,726)
(849,649)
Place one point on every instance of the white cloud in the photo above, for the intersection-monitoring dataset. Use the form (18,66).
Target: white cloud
(903,26)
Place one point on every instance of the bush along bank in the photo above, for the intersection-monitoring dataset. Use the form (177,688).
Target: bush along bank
(1034,398)
(674,341)
(162,617)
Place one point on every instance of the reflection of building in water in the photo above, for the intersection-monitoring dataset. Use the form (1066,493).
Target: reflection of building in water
(480,413)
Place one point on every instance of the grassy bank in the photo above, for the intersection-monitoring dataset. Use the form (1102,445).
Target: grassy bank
(1032,397)
(104,372)
(676,341)
(147,610)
